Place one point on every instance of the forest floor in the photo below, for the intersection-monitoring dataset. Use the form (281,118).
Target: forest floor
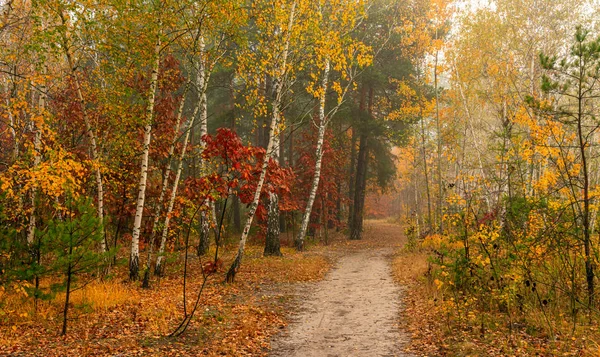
(115,317)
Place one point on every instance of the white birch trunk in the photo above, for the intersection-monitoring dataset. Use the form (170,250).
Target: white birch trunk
(91,136)
(319,159)
(37,147)
(134,259)
(440,207)
(474,138)
(202,84)
(165,184)
(13,132)
(269,153)
(165,232)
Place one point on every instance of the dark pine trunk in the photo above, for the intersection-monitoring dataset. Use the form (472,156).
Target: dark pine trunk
(360,182)
(68,291)
(351,177)
(352,173)
(356,220)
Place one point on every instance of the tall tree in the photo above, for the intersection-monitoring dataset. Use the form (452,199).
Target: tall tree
(334,47)
(573,81)
(279,39)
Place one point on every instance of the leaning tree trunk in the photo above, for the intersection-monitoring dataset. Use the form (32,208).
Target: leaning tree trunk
(163,190)
(275,119)
(254,205)
(318,161)
(165,232)
(134,259)
(202,81)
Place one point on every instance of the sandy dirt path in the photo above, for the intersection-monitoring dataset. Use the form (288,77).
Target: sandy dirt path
(353,312)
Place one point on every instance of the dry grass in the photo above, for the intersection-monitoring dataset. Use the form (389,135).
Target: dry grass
(117,317)
(440,328)
(104,295)
(409,267)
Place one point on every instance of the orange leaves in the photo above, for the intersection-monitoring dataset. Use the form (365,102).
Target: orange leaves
(212,267)
(57,174)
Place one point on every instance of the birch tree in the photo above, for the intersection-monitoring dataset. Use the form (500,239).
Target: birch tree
(335,47)
(278,28)
(208,26)
(134,259)
(67,45)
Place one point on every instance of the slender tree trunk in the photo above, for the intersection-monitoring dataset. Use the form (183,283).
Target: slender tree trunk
(89,132)
(360,188)
(209,211)
(478,150)
(37,159)
(272,243)
(134,259)
(12,122)
(589,263)
(163,190)
(282,225)
(68,288)
(201,104)
(417,210)
(275,119)
(361,174)
(352,173)
(67,296)
(440,203)
(426,174)
(319,158)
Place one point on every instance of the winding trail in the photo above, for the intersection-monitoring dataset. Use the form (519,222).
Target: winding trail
(354,311)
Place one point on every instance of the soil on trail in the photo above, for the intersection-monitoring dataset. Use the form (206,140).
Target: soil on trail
(354,311)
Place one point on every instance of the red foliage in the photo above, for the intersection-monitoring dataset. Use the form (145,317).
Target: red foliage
(333,175)
(235,169)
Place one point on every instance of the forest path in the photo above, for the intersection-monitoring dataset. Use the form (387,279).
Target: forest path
(354,311)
